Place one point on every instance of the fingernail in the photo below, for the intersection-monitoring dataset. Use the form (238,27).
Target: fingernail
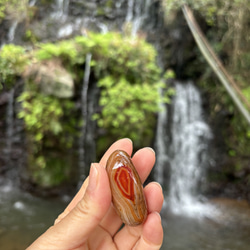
(158,215)
(93,177)
(126,138)
(150,149)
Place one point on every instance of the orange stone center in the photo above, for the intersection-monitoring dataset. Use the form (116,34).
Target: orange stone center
(125,182)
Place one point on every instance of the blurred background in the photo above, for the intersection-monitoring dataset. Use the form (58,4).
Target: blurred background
(77,75)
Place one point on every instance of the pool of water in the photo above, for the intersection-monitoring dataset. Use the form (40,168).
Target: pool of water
(226,228)
(24,217)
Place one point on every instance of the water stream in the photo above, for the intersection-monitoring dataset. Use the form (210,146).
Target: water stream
(188,150)
(60,10)
(137,12)
(12,31)
(162,160)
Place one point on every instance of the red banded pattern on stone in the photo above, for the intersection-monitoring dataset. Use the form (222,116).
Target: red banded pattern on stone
(126,188)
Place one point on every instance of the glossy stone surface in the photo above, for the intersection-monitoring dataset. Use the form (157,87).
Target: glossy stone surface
(126,188)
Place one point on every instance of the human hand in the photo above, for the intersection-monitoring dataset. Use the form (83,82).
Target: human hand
(90,220)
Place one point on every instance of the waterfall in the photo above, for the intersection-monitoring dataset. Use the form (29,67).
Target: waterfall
(137,12)
(84,110)
(12,31)
(32,3)
(186,150)
(129,16)
(190,136)
(161,143)
(61,10)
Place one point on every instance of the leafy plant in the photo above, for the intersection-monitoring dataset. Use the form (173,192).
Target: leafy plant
(127,76)
(43,118)
(127,109)
(12,63)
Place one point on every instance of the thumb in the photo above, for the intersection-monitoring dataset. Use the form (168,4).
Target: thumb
(75,228)
(88,213)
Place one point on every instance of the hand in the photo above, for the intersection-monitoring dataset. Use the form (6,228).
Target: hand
(90,221)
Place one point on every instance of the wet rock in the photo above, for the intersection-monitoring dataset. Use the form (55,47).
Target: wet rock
(52,79)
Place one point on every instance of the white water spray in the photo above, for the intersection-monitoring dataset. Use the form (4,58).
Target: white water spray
(183,148)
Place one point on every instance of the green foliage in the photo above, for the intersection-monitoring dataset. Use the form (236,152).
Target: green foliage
(51,130)
(129,80)
(43,116)
(246,93)
(65,50)
(2,8)
(127,109)
(127,76)
(12,63)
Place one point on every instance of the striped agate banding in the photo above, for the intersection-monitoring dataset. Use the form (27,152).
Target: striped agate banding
(126,188)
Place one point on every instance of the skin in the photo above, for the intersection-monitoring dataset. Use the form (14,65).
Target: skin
(90,221)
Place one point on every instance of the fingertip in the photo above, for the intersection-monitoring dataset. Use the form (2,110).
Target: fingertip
(150,149)
(127,139)
(154,196)
(144,160)
(123,144)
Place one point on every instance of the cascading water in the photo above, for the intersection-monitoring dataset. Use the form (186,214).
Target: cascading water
(187,152)
(61,9)
(137,12)
(161,142)
(12,31)
(189,148)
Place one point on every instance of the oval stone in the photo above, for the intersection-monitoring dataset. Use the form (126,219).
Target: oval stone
(126,189)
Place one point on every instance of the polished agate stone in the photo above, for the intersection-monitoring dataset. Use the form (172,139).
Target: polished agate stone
(126,188)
